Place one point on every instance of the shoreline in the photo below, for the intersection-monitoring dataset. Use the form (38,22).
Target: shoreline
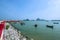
(12,34)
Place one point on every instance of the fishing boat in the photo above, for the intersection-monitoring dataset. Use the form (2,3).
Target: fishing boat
(49,26)
(55,23)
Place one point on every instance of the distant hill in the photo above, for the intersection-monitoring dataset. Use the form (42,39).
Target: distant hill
(55,20)
(38,19)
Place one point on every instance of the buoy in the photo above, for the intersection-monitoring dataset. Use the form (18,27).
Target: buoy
(22,23)
(35,25)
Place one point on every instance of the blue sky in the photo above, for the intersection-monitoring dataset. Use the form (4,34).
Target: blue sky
(31,9)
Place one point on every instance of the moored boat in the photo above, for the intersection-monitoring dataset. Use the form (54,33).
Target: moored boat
(55,23)
(49,26)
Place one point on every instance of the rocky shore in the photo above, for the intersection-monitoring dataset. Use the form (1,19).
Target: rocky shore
(12,34)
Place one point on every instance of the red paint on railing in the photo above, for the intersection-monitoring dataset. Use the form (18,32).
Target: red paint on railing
(2,26)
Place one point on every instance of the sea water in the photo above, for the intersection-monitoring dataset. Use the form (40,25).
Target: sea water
(41,32)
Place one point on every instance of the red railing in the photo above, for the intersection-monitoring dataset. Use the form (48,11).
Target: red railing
(2,26)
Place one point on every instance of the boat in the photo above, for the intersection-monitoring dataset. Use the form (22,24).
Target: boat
(55,23)
(49,26)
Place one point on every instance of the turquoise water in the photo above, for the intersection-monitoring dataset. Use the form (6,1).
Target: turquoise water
(41,32)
